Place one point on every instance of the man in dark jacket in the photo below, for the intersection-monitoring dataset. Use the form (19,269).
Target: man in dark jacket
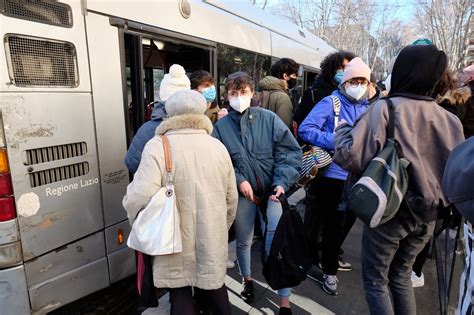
(467,78)
(276,86)
(266,160)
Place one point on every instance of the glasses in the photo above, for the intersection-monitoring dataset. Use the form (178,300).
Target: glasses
(356,81)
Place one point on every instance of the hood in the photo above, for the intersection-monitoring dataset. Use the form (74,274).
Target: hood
(186,121)
(455,97)
(159,111)
(417,70)
(271,83)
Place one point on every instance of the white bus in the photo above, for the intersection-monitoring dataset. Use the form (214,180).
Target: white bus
(75,80)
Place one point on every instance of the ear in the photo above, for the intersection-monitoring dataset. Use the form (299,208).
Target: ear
(286,77)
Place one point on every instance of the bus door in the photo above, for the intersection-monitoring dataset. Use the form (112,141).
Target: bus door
(148,57)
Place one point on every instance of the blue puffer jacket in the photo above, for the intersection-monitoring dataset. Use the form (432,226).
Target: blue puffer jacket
(318,127)
(143,135)
(262,148)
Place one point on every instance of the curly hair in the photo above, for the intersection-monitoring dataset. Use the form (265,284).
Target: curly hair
(284,65)
(332,62)
(238,81)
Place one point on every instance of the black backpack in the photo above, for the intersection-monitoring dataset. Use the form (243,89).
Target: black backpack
(289,260)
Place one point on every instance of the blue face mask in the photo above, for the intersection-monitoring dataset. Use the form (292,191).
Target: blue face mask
(209,93)
(338,76)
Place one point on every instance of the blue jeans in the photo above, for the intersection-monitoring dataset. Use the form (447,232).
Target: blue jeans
(244,226)
(388,254)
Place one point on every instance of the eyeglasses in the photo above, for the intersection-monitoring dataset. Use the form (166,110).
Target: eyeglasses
(357,81)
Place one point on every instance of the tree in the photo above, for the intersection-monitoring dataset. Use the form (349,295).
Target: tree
(446,23)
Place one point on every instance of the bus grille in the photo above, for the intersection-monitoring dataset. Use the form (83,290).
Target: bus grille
(54,153)
(41,62)
(57,174)
(42,11)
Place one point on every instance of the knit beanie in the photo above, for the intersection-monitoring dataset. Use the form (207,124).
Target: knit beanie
(356,68)
(174,81)
(467,75)
(185,102)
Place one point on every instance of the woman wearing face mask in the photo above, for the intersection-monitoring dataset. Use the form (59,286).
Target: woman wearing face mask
(266,159)
(318,129)
(203,82)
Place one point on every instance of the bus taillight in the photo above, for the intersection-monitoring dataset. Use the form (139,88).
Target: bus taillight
(7,202)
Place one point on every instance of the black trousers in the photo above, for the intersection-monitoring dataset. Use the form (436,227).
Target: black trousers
(216,301)
(322,217)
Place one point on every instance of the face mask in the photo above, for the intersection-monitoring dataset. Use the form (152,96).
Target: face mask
(387,83)
(209,94)
(338,76)
(357,91)
(291,83)
(240,103)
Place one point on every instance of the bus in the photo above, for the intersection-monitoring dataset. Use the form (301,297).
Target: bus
(76,78)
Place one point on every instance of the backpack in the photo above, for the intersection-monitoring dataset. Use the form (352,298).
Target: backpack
(376,197)
(289,259)
(263,98)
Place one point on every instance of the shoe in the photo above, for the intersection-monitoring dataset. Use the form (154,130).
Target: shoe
(248,293)
(285,311)
(344,266)
(330,284)
(230,264)
(417,281)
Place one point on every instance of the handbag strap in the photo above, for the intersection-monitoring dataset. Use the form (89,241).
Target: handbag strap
(168,163)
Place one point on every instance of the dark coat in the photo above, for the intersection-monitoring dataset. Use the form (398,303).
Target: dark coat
(461,103)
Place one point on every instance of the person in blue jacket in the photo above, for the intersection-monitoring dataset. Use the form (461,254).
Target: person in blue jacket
(172,82)
(266,160)
(318,129)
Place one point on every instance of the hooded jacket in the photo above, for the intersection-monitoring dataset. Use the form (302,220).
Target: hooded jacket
(262,149)
(318,127)
(143,135)
(279,101)
(206,199)
(426,132)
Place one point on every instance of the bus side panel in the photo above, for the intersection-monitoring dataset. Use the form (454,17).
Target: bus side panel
(13,291)
(297,51)
(53,161)
(106,76)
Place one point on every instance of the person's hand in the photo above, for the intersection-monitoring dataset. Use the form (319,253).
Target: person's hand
(278,191)
(246,190)
(222,113)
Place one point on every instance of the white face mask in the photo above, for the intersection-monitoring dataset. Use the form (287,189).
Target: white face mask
(357,91)
(240,103)
(387,83)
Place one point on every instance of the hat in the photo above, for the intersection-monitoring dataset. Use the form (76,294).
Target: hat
(467,75)
(186,102)
(356,68)
(457,179)
(174,81)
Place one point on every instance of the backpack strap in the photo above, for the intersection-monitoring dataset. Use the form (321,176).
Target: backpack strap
(336,106)
(391,120)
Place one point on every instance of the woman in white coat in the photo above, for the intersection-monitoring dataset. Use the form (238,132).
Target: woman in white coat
(206,195)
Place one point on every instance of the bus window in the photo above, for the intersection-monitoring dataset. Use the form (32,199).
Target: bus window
(231,59)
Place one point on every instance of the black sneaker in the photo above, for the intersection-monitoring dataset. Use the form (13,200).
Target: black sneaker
(344,266)
(248,293)
(285,311)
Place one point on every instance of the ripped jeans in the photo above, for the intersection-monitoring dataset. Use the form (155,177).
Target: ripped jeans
(244,227)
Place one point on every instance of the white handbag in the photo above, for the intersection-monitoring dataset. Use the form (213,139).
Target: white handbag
(156,230)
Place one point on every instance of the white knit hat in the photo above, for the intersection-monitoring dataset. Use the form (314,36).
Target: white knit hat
(356,68)
(174,81)
(185,102)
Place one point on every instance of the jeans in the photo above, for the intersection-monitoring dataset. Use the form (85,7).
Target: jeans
(244,226)
(388,254)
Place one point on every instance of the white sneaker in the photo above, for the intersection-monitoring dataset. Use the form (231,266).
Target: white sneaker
(230,264)
(417,281)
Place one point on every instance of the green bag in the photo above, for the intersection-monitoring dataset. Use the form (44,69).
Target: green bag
(376,197)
